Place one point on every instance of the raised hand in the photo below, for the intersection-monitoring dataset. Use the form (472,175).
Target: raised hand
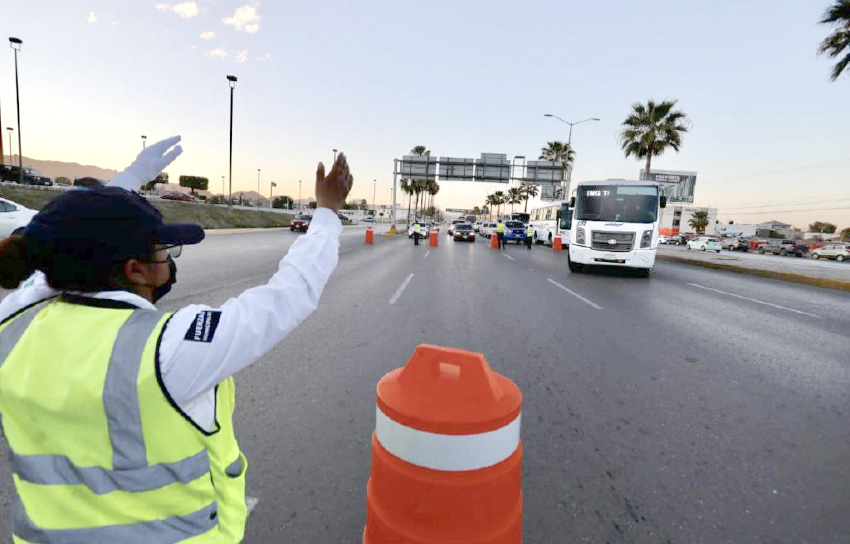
(148,164)
(332,190)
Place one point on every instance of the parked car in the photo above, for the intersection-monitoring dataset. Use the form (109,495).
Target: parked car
(424,231)
(487,229)
(514,232)
(13,217)
(662,239)
(678,240)
(783,247)
(34,177)
(63,181)
(463,231)
(839,252)
(705,243)
(369,219)
(89,183)
(300,223)
(736,244)
(177,195)
(477,226)
(453,223)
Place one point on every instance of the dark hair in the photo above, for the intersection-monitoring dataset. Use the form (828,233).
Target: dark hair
(88,271)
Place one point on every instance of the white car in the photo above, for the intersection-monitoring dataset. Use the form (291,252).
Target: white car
(424,231)
(13,217)
(451,229)
(662,239)
(487,229)
(477,226)
(839,252)
(705,243)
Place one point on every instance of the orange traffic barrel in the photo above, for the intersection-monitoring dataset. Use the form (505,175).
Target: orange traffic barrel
(370,235)
(446,453)
(494,240)
(433,238)
(556,243)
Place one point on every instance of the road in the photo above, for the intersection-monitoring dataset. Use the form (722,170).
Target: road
(694,406)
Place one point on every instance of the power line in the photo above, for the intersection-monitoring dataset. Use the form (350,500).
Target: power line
(790,202)
(803,167)
(795,211)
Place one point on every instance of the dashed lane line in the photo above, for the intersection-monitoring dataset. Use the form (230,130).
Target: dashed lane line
(508,256)
(573,293)
(777,306)
(426,254)
(401,289)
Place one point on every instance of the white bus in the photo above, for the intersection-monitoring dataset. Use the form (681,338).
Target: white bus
(544,220)
(614,223)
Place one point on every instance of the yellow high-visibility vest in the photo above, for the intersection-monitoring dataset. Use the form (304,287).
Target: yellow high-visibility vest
(100,452)
(500,228)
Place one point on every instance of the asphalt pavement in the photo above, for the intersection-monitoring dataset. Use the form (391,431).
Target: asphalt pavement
(693,406)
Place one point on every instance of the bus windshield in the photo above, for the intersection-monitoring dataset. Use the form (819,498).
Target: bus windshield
(620,203)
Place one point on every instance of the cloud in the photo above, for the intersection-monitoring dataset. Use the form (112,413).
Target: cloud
(185,10)
(92,17)
(245,19)
(264,58)
(208,35)
(242,57)
(218,53)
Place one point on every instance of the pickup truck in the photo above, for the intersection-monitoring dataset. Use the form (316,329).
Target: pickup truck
(783,247)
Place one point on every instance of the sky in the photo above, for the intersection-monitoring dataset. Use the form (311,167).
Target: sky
(768,128)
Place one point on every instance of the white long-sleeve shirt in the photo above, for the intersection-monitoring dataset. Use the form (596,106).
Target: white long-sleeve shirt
(202,346)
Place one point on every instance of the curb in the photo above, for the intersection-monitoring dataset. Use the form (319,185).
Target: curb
(828,283)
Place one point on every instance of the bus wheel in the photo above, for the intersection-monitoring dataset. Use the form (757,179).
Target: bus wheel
(644,272)
(550,238)
(574,267)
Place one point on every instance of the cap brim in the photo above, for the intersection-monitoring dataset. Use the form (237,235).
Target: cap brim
(180,234)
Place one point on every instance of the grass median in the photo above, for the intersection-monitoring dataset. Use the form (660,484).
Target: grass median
(205,215)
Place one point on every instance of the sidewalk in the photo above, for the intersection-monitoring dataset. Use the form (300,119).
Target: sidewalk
(822,273)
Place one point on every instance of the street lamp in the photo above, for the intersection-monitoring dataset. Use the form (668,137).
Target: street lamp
(258,187)
(300,205)
(222,187)
(10,129)
(15,43)
(232,82)
(334,156)
(144,140)
(570,139)
(374,188)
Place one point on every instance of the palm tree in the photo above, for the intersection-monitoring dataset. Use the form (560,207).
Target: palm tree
(650,129)
(529,191)
(837,43)
(559,152)
(492,200)
(407,187)
(514,196)
(499,198)
(435,188)
(699,221)
(420,151)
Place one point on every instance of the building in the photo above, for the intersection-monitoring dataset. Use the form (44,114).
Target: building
(675,219)
(736,229)
(784,230)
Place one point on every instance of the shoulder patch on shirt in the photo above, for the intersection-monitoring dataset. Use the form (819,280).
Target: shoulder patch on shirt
(203,327)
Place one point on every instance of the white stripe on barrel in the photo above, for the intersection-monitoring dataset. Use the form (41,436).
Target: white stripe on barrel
(447,452)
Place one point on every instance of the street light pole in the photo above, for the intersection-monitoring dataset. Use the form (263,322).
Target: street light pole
(15,43)
(374,188)
(258,187)
(10,129)
(300,204)
(334,157)
(569,172)
(144,140)
(222,187)
(232,83)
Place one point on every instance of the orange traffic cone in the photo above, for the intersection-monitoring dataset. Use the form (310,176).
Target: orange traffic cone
(433,238)
(370,236)
(556,243)
(446,453)
(494,241)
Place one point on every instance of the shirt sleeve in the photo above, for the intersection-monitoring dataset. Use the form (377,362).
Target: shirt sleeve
(202,346)
(30,290)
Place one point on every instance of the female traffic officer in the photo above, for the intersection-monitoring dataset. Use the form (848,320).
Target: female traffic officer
(118,416)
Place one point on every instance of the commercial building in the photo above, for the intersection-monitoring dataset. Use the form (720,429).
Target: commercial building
(675,219)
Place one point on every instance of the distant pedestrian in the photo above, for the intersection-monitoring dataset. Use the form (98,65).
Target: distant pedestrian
(500,231)
(529,236)
(417,231)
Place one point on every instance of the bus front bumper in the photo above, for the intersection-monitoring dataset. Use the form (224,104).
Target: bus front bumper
(637,258)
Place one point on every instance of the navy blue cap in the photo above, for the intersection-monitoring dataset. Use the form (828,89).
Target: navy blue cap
(107,222)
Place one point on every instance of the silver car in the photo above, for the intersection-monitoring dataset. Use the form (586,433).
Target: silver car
(839,252)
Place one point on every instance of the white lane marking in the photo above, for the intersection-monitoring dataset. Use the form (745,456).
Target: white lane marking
(426,254)
(573,293)
(755,300)
(251,502)
(508,256)
(401,289)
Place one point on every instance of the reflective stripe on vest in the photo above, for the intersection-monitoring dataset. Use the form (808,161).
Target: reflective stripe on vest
(164,531)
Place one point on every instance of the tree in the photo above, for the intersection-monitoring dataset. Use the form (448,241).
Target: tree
(845,234)
(528,191)
(699,221)
(559,152)
(838,43)
(492,200)
(283,202)
(476,211)
(650,129)
(499,198)
(407,188)
(514,197)
(822,227)
(162,178)
(420,151)
(194,182)
(312,205)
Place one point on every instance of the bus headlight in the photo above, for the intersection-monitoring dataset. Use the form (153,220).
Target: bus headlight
(647,238)
(580,239)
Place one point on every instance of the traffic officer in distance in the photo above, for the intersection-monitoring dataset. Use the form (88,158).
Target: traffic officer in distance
(500,231)
(529,236)
(417,231)
(118,416)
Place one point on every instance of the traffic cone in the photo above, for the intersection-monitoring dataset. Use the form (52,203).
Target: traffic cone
(446,453)
(433,238)
(556,243)
(494,241)
(370,236)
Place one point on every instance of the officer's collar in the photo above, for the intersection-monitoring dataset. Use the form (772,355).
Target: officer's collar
(109,299)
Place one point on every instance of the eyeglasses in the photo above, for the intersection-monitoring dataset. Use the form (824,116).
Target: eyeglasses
(173,250)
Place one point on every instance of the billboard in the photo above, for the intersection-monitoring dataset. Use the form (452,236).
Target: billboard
(416,167)
(676,185)
(493,168)
(540,172)
(454,169)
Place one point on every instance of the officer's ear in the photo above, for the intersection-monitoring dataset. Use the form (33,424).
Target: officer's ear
(137,272)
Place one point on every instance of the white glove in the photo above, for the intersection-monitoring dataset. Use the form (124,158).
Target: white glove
(148,165)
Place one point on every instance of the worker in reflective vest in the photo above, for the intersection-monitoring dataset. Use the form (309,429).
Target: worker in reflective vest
(500,230)
(119,416)
(417,232)
(529,236)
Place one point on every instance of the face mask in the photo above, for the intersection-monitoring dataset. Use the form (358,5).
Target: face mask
(162,290)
